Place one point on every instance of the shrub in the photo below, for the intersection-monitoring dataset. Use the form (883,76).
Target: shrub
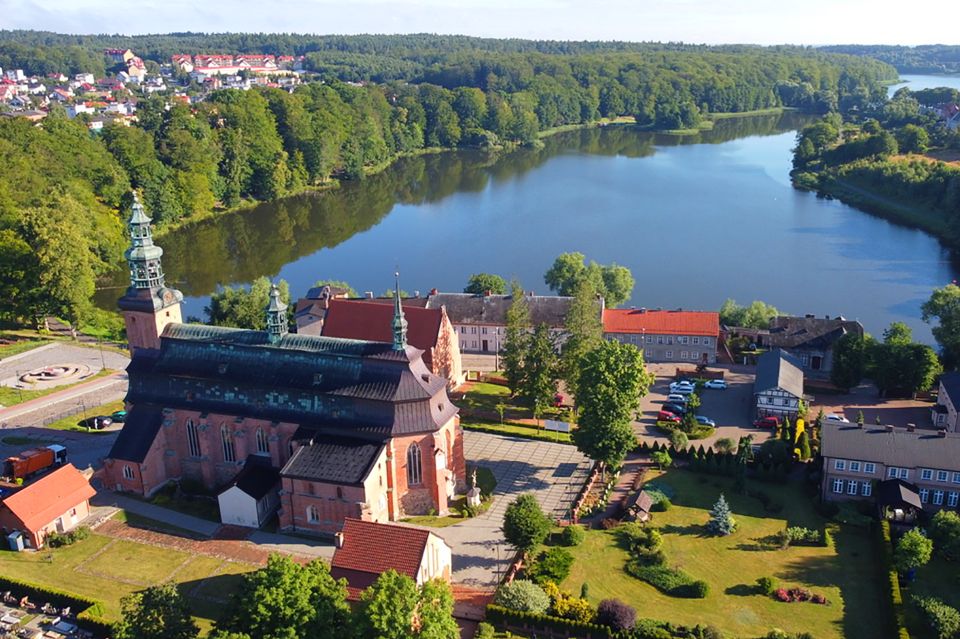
(484,631)
(58,540)
(942,619)
(912,551)
(552,565)
(799,536)
(671,581)
(522,595)
(525,526)
(584,590)
(661,506)
(486,481)
(572,535)
(697,590)
(766,586)
(616,614)
(944,530)
(566,606)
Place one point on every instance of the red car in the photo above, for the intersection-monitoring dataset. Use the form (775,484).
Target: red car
(767,422)
(665,416)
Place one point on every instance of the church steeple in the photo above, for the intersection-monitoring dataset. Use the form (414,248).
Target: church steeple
(276,316)
(143,256)
(399,321)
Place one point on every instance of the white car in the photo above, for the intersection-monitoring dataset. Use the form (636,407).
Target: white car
(833,417)
(676,387)
(677,397)
(718,384)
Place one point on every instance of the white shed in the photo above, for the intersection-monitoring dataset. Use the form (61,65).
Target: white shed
(253,496)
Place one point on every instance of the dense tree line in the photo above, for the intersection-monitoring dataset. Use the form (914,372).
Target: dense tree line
(930,58)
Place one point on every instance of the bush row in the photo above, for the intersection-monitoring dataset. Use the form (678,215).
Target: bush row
(671,581)
(893,581)
(89,611)
(527,621)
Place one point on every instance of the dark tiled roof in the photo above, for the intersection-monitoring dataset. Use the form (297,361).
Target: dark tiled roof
(810,332)
(951,385)
(139,430)
(338,460)
(258,477)
(899,447)
(778,369)
(465,308)
(898,493)
(373,548)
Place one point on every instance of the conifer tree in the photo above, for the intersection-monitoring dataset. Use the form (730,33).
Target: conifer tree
(517,339)
(803,445)
(721,521)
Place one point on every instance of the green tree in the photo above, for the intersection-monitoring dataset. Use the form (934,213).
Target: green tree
(158,612)
(944,530)
(481,283)
(661,458)
(584,327)
(615,283)
(757,315)
(244,308)
(388,607)
(898,334)
(724,446)
(612,381)
(540,370)
(944,305)
(525,525)
(944,620)
(522,595)
(679,440)
(435,611)
(516,341)
(850,359)
(913,139)
(803,446)
(913,550)
(721,520)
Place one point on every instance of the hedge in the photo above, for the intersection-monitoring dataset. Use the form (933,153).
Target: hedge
(90,611)
(670,581)
(526,621)
(893,581)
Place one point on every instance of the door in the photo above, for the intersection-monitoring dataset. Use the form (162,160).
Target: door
(816,362)
(486,346)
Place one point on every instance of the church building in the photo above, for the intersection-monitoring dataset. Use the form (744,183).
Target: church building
(356,429)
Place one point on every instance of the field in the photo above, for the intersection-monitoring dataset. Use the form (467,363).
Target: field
(845,574)
(940,579)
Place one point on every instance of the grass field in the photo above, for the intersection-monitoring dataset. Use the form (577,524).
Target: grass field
(73,422)
(107,569)
(845,574)
(520,430)
(19,344)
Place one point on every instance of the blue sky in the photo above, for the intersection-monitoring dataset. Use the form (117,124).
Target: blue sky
(707,21)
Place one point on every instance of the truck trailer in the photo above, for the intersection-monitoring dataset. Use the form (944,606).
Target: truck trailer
(31,462)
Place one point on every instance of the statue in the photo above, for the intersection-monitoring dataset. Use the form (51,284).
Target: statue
(473,495)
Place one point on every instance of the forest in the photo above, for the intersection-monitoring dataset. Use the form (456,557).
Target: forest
(64,190)
(930,58)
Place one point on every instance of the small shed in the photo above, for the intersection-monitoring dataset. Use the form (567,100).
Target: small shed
(639,506)
(253,496)
(898,500)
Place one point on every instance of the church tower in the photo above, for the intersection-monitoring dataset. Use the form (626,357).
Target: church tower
(148,306)
(277,322)
(399,320)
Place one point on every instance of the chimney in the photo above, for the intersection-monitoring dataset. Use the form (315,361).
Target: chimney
(368,295)
(889,428)
(338,539)
(911,428)
(942,432)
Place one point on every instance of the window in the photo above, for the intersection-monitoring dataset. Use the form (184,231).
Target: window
(473,344)
(463,330)
(952,499)
(659,339)
(866,488)
(942,475)
(473,329)
(483,330)
(892,472)
(926,474)
(838,486)
(694,354)
(312,515)
(127,471)
(414,469)
(904,473)
(263,443)
(854,467)
(683,340)
(956,478)
(193,439)
(669,354)
(696,340)
(226,438)
(706,341)
(938,497)
(924,495)
(463,346)
(649,339)
(869,468)
(852,487)
(683,354)
(339,492)
(840,464)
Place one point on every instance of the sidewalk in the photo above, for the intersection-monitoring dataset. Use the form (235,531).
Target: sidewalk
(202,527)
(633,464)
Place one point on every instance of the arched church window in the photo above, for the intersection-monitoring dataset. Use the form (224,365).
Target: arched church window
(226,437)
(414,467)
(263,442)
(312,515)
(193,438)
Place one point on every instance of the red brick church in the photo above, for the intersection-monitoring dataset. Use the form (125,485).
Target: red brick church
(353,428)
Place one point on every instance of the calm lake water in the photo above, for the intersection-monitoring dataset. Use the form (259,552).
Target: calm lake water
(696,218)
(919,82)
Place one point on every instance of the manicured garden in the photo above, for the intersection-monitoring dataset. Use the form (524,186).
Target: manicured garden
(844,572)
(487,407)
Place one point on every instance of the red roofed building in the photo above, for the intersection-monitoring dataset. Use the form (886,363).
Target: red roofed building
(57,502)
(428,329)
(366,549)
(666,336)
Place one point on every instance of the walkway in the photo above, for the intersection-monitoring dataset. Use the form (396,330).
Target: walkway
(634,463)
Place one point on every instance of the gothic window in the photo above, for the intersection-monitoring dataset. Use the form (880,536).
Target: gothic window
(339,492)
(312,515)
(193,438)
(263,444)
(414,468)
(127,472)
(226,437)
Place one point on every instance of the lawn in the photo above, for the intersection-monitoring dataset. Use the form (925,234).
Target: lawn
(482,398)
(520,430)
(19,345)
(107,569)
(73,422)
(846,574)
(940,579)
(12,396)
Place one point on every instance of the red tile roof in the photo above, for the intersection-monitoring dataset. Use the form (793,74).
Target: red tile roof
(356,319)
(49,497)
(626,320)
(370,549)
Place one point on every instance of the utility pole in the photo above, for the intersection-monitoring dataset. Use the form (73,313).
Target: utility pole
(103,363)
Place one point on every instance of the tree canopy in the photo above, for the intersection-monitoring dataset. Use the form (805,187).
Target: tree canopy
(158,612)
(245,307)
(569,271)
(525,526)
(481,283)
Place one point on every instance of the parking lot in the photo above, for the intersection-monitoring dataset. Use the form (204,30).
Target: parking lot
(731,409)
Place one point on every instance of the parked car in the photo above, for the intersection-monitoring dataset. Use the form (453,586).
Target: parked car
(97,423)
(767,422)
(684,390)
(677,397)
(834,417)
(667,416)
(717,384)
(119,416)
(676,386)
(676,409)
(706,421)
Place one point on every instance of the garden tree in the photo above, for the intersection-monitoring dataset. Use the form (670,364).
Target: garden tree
(757,315)
(435,611)
(157,612)
(898,334)
(785,430)
(803,447)
(481,283)
(613,282)
(721,520)
(351,292)
(944,305)
(612,380)
(286,600)
(525,526)
(850,359)
(913,550)
(522,595)
(224,634)
(679,440)
(724,446)
(944,531)
(541,370)
(901,367)
(387,608)
(616,615)
(860,418)
(944,620)
(662,459)
(689,421)
(516,339)
(584,327)
(244,308)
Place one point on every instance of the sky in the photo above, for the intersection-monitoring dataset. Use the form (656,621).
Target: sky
(695,21)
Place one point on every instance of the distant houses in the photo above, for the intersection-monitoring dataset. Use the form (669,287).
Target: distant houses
(809,339)
(666,336)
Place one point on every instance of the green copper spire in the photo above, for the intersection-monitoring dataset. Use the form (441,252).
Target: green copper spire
(276,316)
(399,321)
(143,256)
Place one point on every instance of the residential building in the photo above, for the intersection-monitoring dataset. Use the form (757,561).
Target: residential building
(360,556)
(666,336)
(56,503)
(944,413)
(119,56)
(809,339)
(778,386)
(857,461)
(355,428)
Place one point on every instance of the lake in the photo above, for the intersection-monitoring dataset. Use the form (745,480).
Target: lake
(920,82)
(696,218)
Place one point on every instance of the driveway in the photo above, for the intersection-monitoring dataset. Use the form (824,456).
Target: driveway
(553,472)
